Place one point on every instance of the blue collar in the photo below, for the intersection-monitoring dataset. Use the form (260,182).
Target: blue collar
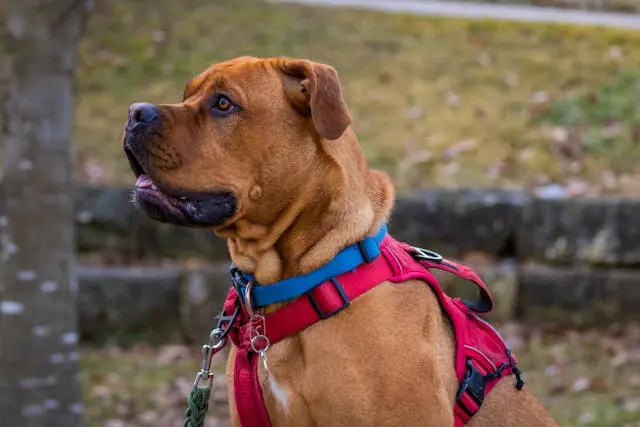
(346,260)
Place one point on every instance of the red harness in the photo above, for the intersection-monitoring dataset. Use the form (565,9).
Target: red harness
(482,357)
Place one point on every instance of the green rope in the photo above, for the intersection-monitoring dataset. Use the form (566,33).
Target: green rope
(197,406)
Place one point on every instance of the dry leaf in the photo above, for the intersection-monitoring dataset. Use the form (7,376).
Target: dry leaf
(414,113)
(172,353)
(540,97)
(586,418)
(581,384)
(452,100)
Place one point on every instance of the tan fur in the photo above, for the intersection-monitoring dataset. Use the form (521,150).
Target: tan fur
(305,192)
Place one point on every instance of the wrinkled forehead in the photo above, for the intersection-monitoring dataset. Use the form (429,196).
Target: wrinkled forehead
(234,77)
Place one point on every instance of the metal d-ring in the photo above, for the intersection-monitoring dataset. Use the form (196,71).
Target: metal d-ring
(263,348)
(426,254)
(247,299)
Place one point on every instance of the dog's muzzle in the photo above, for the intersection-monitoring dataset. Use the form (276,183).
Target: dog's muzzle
(158,199)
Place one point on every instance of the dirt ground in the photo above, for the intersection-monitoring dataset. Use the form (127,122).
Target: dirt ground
(586,378)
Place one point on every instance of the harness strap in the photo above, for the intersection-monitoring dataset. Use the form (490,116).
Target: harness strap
(397,262)
(482,305)
(248,395)
(324,301)
(477,373)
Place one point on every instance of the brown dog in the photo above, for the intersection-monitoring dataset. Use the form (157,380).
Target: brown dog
(260,151)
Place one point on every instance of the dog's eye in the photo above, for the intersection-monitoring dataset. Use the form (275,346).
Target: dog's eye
(222,104)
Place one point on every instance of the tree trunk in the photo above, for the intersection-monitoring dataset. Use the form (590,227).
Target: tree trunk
(39,381)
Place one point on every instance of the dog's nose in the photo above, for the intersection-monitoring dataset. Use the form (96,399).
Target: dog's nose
(143,112)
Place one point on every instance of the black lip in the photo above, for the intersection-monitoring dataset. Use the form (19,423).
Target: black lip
(189,209)
(136,167)
(135,146)
(158,208)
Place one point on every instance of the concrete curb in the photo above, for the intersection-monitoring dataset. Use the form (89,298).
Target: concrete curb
(472,10)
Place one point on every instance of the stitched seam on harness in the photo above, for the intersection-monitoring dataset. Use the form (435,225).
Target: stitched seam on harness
(468,347)
(400,269)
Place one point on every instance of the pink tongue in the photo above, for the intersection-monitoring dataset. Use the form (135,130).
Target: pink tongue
(144,182)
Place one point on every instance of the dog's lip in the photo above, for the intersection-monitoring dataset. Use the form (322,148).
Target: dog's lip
(153,197)
(144,181)
(146,189)
(136,167)
(146,185)
(210,209)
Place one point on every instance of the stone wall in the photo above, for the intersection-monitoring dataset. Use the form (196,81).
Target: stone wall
(559,262)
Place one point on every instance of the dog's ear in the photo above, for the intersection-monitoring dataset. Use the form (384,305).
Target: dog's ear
(315,89)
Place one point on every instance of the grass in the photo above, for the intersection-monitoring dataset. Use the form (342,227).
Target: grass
(142,385)
(436,101)
(595,115)
(587,379)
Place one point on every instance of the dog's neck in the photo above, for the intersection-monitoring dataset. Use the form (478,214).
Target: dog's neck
(344,205)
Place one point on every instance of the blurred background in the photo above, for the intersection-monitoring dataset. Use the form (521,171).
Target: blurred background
(513,144)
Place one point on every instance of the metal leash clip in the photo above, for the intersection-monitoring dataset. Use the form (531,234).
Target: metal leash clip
(216,342)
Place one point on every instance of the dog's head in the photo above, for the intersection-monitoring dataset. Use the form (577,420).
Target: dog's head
(241,143)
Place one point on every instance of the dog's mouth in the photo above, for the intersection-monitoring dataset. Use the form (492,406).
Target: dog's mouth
(156,203)
(187,208)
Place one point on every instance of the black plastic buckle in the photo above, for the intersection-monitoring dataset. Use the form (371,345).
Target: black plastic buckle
(473,384)
(343,296)
(238,280)
(222,318)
